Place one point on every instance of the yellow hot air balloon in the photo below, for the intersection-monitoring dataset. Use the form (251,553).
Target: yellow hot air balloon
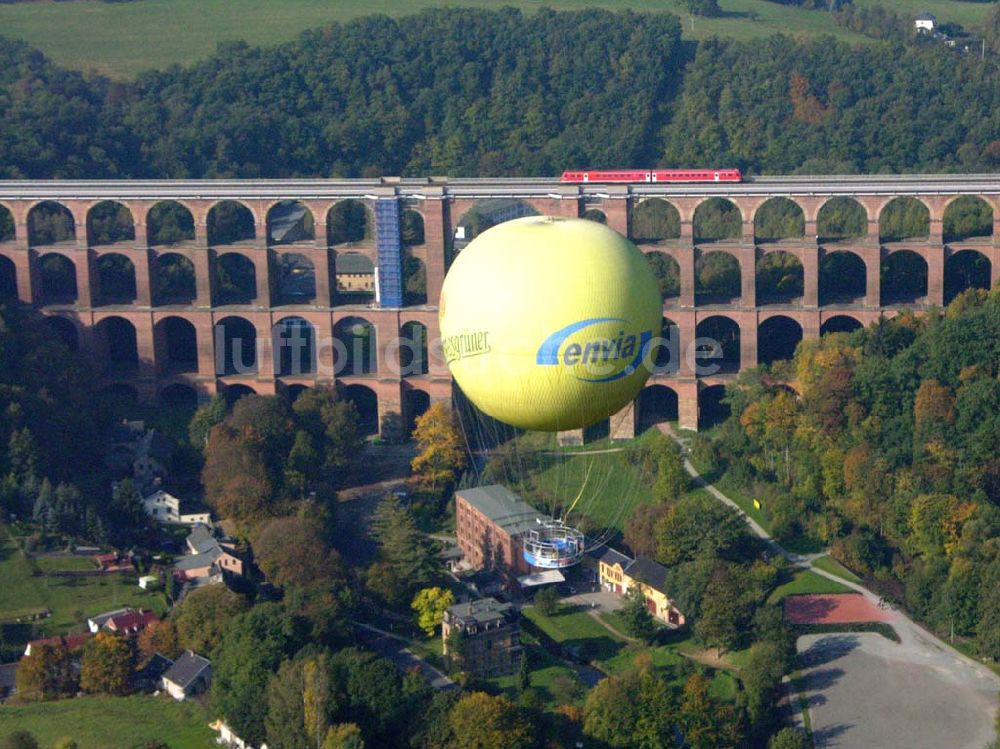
(547,323)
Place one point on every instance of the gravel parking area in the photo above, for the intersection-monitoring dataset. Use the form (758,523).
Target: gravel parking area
(864,691)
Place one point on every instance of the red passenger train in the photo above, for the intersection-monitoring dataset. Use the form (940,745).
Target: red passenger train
(657,175)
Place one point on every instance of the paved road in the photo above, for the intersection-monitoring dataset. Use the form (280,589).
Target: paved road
(918,647)
(865,691)
(394,648)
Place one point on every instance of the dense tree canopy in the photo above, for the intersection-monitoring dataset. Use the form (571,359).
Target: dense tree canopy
(472,92)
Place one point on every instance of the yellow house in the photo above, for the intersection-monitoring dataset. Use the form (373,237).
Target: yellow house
(618,574)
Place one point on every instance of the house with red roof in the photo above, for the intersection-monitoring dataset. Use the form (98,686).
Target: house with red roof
(131,622)
(69,643)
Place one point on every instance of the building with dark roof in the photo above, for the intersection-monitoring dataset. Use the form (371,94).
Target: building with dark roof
(618,574)
(484,635)
(189,675)
(489,523)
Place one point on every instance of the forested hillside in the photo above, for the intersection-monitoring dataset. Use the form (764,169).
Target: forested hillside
(471,92)
(890,454)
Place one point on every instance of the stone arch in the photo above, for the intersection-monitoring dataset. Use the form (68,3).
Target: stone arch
(712,407)
(118,346)
(967,217)
(656,405)
(109,222)
(350,222)
(169,222)
(294,342)
(667,272)
(288,222)
(7,227)
(904,218)
(411,228)
(295,279)
(366,402)
(355,278)
(777,219)
(596,214)
(967,269)
(50,222)
(841,218)
(230,221)
(780,278)
(116,279)
(777,338)
(65,330)
(179,396)
(57,274)
(175,279)
(236,391)
(413,349)
(177,342)
(235,279)
(357,347)
(667,356)
(293,391)
(717,278)
(416,403)
(654,220)
(840,324)
(487,213)
(414,281)
(235,346)
(843,278)
(718,345)
(904,278)
(717,220)
(8,280)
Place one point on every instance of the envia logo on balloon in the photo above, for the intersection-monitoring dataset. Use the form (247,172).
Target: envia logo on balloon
(601,347)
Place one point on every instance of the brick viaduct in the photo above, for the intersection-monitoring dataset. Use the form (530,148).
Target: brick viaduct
(136,340)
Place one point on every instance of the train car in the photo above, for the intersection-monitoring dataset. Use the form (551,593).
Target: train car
(657,175)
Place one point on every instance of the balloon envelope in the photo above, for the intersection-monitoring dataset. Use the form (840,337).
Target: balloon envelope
(547,323)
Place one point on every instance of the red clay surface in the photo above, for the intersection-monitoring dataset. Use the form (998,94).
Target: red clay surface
(839,608)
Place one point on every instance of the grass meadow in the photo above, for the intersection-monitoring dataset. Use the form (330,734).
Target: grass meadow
(112,722)
(124,39)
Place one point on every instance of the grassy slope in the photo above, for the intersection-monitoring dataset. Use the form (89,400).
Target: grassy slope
(122,39)
(112,723)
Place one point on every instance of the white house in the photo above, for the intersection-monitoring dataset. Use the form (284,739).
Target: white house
(166,508)
(189,675)
(925,22)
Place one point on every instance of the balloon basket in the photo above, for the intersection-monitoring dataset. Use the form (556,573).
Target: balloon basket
(553,545)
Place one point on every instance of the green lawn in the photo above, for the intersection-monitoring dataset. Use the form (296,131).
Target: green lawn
(112,722)
(70,599)
(123,39)
(554,680)
(805,582)
(831,565)
(573,628)
(66,563)
(608,488)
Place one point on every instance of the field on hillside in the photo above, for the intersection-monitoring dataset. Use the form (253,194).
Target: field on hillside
(70,599)
(112,722)
(123,39)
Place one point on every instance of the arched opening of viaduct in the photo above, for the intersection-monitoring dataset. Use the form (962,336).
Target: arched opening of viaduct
(222,283)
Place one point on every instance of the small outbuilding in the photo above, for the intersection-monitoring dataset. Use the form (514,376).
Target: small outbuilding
(925,22)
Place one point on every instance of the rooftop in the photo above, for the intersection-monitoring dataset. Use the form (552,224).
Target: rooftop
(353,262)
(481,611)
(504,508)
(186,669)
(606,554)
(649,572)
